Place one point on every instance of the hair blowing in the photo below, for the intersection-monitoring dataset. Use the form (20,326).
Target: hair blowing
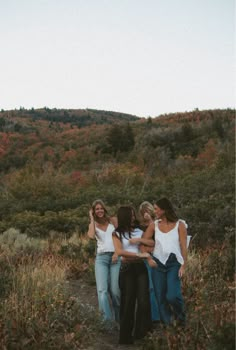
(125,220)
(166,205)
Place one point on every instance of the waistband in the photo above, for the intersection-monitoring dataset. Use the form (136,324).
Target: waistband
(106,253)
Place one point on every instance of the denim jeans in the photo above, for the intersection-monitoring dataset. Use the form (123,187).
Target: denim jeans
(135,309)
(167,287)
(107,281)
(154,306)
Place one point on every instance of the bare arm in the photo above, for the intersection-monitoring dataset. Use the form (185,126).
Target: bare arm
(91,230)
(183,246)
(144,241)
(121,252)
(148,236)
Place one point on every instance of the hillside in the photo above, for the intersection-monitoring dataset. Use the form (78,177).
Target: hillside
(30,120)
(54,163)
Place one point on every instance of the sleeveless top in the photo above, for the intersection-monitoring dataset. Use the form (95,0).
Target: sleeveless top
(133,248)
(104,239)
(167,243)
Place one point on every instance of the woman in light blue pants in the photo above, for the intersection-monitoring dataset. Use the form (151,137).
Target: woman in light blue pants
(107,276)
(107,263)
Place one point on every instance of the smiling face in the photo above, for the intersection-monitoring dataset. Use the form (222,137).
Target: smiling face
(159,212)
(99,211)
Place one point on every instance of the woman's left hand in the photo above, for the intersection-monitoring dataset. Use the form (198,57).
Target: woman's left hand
(181,271)
(114,259)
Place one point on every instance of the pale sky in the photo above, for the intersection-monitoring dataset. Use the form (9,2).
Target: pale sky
(143,57)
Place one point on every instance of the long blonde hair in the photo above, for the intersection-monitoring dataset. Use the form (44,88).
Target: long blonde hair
(147,207)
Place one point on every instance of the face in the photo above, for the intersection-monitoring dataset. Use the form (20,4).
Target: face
(159,212)
(99,211)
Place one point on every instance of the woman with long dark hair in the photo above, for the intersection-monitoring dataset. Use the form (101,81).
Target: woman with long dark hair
(135,310)
(170,258)
(107,263)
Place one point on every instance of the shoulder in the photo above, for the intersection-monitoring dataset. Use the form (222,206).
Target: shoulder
(155,223)
(182,223)
(182,227)
(115,234)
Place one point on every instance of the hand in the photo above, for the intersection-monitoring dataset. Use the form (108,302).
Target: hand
(134,241)
(144,255)
(152,263)
(114,258)
(181,271)
(147,217)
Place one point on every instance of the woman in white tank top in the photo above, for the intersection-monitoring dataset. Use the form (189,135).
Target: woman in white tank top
(107,263)
(135,308)
(169,259)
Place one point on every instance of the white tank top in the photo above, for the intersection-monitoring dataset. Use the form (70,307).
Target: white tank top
(104,239)
(167,243)
(133,248)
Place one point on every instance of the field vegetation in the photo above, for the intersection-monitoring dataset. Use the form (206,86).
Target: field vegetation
(54,163)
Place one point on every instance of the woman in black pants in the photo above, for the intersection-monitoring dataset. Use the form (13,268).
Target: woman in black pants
(135,309)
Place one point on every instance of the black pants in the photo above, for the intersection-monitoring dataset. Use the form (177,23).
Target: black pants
(135,309)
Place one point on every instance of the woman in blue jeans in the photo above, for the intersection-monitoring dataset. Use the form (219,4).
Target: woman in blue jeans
(107,263)
(169,259)
(147,213)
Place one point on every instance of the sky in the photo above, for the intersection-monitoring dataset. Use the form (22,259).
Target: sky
(142,57)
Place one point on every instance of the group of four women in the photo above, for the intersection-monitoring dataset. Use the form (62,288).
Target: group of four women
(138,266)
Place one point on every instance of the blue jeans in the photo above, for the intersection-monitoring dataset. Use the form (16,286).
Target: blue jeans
(167,287)
(107,281)
(154,306)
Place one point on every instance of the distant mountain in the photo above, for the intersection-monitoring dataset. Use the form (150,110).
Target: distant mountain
(14,120)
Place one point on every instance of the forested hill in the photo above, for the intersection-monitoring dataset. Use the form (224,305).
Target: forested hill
(54,163)
(26,120)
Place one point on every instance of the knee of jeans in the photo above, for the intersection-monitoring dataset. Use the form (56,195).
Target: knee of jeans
(171,298)
(102,292)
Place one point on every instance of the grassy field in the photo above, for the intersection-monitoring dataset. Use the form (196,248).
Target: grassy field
(38,310)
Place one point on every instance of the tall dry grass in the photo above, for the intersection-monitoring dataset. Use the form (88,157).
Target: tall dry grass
(36,309)
(209,293)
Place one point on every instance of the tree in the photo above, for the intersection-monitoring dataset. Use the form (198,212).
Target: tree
(120,138)
(127,141)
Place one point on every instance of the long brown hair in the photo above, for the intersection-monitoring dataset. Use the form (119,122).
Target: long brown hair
(166,205)
(106,217)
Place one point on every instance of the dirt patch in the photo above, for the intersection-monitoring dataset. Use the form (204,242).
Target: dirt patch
(106,339)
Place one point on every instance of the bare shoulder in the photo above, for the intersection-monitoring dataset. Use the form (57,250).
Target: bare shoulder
(148,233)
(151,225)
(182,227)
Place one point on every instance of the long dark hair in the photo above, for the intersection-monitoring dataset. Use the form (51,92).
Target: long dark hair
(126,224)
(166,205)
